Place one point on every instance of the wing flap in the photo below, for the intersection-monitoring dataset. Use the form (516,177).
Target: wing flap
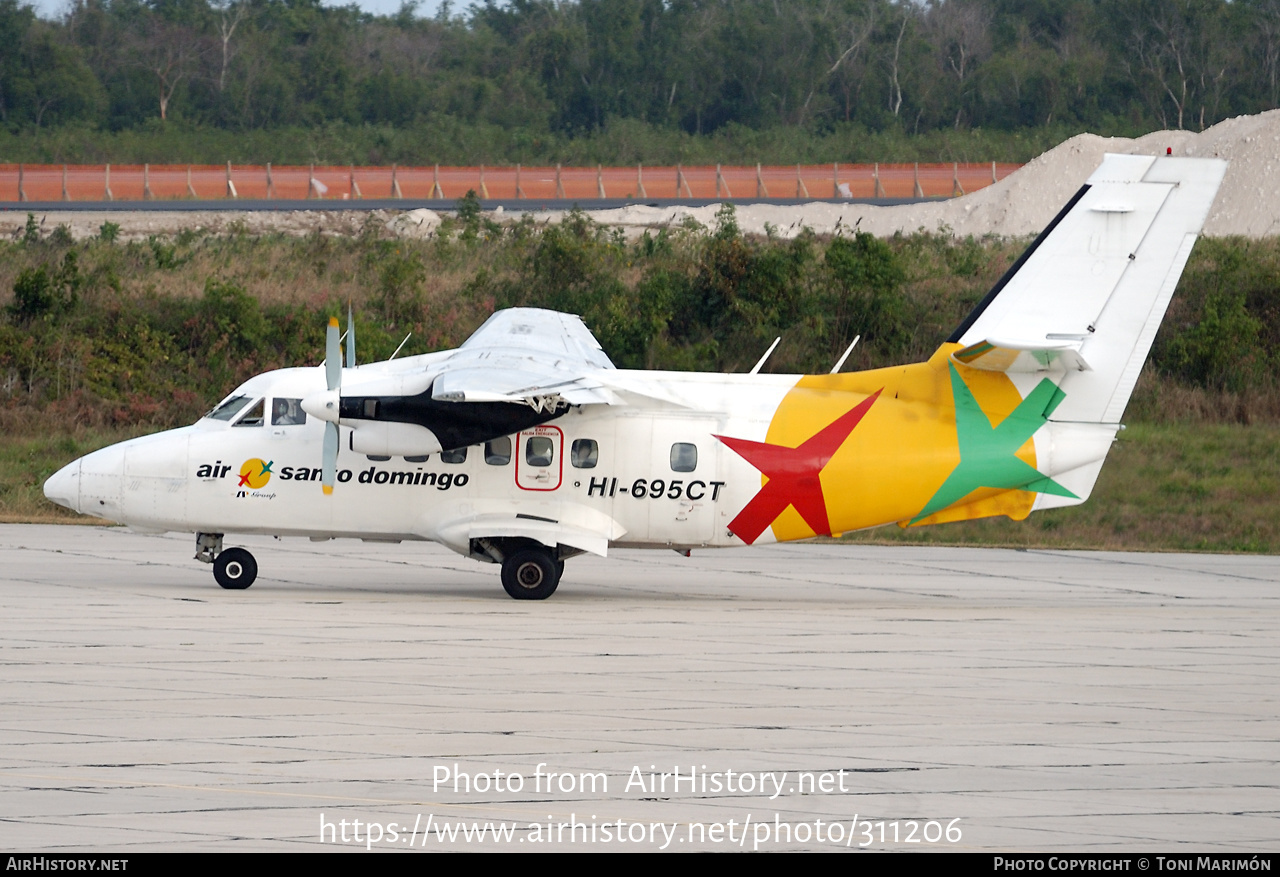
(517,379)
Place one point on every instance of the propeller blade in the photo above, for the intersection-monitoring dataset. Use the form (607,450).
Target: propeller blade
(330,464)
(351,339)
(333,377)
(332,356)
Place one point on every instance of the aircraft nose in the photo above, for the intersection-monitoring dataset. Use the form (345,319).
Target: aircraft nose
(101,483)
(63,487)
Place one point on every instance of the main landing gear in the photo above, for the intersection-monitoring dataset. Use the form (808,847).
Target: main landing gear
(530,570)
(531,573)
(233,568)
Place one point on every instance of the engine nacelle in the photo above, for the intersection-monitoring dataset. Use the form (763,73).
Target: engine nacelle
(385,438)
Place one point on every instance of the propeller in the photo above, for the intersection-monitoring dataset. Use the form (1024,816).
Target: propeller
(333,381)
(326,406)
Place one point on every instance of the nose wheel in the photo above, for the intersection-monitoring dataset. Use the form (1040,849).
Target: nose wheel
(235,569)
(531,574)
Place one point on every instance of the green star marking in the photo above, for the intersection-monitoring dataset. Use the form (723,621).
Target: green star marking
(988,454)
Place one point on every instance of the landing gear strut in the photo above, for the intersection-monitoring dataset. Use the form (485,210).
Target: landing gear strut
(531,573)
(233,568)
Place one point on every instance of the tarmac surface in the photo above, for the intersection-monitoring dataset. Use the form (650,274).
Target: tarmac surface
(967,699)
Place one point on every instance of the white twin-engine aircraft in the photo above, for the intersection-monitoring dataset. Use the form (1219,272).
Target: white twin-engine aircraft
(525,446)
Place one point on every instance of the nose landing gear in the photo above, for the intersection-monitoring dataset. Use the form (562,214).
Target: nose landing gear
(233,568)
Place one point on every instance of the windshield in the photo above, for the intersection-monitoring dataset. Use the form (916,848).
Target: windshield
(229,409)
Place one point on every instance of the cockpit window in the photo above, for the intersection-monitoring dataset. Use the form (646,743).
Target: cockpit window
(254,416)
(229,409)
(287,412)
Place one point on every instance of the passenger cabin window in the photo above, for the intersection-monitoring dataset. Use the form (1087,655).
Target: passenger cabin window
(498,451)
(684,457)
(229,409)
(254,416)
(584,454)
(287,412)
(539,451)
(455,457)
(377,458)
(419,459)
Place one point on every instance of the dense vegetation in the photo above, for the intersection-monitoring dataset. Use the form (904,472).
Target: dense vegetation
(621,80)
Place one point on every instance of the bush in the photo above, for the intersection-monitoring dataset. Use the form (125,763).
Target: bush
(41,294)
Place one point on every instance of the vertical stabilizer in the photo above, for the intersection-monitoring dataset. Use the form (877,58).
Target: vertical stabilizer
(1087,297)
(1082,305)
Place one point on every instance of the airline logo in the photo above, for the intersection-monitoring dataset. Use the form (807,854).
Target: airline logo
(255,473)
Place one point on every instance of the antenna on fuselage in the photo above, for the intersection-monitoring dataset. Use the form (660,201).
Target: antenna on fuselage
(839,362)
(351,338)
(755,369)
(402,344)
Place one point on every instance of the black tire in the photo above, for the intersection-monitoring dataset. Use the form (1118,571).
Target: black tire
(235,569)
(531,574)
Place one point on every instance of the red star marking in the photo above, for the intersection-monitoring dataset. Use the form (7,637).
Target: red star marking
(793,475)
(244,479)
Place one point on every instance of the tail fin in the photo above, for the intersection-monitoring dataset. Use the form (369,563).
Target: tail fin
(1087,297)
(1083,303)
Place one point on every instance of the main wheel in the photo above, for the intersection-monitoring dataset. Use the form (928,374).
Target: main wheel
(235,569)
(531,574)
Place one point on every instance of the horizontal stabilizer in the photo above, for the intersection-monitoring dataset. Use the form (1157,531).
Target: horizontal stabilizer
(1013,504)
(1045,355)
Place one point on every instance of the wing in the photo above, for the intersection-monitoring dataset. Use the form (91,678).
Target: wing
(522,368)
(529,355)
